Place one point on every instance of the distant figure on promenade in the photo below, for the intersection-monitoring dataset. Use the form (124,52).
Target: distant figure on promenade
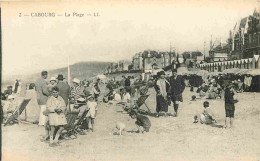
(162,87)
(16,84)
(122,82)
(177,87)
(127,81)
(64,89)
(75,91)
(229,104)
(96,90)
(42,96)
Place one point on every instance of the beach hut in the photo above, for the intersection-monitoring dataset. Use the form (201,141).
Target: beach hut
(246,63)
(250,63)
(238,63)
(242,64)
(256,62)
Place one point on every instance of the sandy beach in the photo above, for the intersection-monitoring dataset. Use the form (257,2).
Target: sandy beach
(170,138)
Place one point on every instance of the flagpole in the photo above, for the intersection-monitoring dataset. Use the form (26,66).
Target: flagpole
(68,69)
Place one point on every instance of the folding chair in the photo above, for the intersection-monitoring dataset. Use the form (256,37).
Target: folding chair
(71,117)
(80,121)
(140,101)
(15,115)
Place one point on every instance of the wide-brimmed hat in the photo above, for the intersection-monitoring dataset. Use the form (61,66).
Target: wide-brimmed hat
(60,77)
(76,80)
(53,79)
(10,97)
(80,100)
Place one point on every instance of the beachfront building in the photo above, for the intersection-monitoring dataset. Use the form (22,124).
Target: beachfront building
(252,36)
(220,53)
(137,61)
(123,65)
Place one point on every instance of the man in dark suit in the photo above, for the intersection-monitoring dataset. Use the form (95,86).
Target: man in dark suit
(64,88)
(177,87)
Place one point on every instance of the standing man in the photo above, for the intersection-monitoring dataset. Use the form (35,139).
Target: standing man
(64,89)
(177,87)
(42,96)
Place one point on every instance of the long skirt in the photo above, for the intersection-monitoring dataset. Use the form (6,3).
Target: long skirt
(42,118)
(161,104)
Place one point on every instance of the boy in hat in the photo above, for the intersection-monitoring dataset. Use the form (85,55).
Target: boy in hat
(229,104)
(142,123)
(92,105)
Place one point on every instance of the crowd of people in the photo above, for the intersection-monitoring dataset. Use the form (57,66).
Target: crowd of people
(56,98)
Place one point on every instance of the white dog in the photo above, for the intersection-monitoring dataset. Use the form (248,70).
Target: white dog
(121,127)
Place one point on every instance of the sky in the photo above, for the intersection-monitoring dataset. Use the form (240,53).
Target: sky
(32,44)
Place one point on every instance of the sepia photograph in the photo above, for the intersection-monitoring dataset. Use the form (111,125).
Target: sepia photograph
(169,80)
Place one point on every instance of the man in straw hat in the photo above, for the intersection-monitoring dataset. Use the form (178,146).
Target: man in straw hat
(64,88)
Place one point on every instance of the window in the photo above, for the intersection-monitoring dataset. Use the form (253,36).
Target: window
(250,39)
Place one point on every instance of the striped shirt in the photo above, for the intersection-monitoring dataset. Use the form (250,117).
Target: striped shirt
(75,92)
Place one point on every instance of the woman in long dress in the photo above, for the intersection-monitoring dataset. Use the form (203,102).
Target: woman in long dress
(161,87)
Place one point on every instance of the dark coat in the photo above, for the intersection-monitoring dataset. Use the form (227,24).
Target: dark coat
(229,100)
(64,91)
(161,102)
(177,86)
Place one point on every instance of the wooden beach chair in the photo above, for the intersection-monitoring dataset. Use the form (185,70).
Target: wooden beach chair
(15,115)
(79,122)
(71,117)
(140,101)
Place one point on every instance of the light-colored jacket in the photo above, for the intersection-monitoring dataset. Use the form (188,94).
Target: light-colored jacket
(42,91)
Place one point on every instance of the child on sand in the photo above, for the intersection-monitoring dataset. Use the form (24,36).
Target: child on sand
(142,122)
(207,116)
(92,105)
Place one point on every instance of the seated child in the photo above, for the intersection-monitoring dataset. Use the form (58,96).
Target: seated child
(142,122)
(117,97)
(92,105)
(10,106)
(207,116)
